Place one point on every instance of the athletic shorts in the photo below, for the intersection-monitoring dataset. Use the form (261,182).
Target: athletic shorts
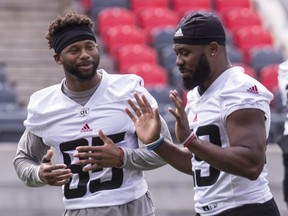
(268,208)
(141,207)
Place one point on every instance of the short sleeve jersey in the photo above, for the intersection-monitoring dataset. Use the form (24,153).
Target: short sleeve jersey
(65,124)
(216,191)
(283,88)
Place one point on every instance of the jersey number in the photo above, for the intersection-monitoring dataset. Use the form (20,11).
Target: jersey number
(214,137)
(84,178)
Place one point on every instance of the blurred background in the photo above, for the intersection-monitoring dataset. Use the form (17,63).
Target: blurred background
(134,36)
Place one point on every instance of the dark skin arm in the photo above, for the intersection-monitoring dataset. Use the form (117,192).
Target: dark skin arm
(246,132)
(147,122)
(177,156)
(246,155)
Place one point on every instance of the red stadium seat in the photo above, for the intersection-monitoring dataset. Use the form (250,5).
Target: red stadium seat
(152,74)
(187,12)
(138,5)
(240,17)
(183,6)
(113,16)
(119,36)
(135,53)
(269,77)
(86,5)
(248,37)
(223,6)
(154,18)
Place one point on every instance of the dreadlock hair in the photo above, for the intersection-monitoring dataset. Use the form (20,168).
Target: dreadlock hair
(61,23)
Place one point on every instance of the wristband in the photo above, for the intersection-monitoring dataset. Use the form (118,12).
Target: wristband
(154,145)
(189,140)
(121,158)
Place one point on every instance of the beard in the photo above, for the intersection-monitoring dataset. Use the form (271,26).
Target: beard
(199,75)
(73,70)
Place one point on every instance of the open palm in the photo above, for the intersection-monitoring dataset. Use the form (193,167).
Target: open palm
(146,120)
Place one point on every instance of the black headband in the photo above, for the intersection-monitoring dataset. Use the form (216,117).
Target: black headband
(72,35)
(199,41)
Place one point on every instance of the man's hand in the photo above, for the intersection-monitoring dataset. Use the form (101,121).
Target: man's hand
(147,121)
(97,157)
(53,174)
(182,129)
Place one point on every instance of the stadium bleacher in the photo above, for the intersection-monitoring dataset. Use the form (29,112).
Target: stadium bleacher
(12,114)
(21,70)
(151,23)
(251,42)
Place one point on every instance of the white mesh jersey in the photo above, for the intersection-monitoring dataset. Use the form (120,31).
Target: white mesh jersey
(216,191)
(64,124)
(283,88)
(283,81)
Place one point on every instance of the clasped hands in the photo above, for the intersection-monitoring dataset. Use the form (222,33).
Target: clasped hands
(148,126)
(90,158)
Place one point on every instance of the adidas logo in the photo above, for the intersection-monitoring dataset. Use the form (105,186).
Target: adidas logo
(253,90)
(86,128)
(178,33)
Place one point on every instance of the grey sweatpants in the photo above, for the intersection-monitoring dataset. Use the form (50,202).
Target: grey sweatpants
(141,207)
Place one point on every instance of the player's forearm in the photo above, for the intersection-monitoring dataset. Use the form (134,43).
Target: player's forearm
(141,159)
(29,154)
(232,159)
(27,171)
(172,153)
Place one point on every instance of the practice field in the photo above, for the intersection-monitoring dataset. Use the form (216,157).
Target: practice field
(172,191)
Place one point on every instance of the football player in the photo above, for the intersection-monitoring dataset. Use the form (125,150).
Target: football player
(283,142)
(100,159)
(223,128)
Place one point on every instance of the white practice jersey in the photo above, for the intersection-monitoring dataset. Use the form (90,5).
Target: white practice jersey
(283,87)
(65,124)
(283,81)
(216,191)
